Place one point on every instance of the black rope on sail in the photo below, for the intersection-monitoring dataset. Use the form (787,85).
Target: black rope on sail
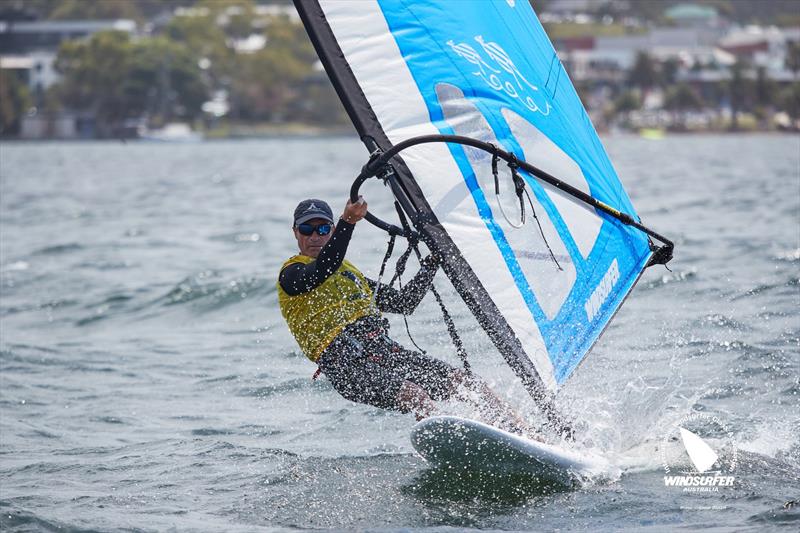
(519,190)
(399,269)
(448,320)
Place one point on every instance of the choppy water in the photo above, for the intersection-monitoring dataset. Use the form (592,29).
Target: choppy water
(147,380)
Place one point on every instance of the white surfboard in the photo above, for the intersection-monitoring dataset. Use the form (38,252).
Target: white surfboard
(463,443)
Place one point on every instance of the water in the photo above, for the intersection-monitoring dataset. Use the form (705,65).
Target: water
(147,380)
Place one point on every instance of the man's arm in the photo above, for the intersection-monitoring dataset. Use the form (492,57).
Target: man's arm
(406,300)
(298,278)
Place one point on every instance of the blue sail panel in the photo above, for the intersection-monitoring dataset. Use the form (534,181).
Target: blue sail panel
(487,70)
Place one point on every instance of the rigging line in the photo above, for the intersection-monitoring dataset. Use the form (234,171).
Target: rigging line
(399,268)
(559,68)
(405,319)
(448,320)
(550,69)
(497,197)
(519,188)
(538,223)
(451,327)
(519,184)
(389,249)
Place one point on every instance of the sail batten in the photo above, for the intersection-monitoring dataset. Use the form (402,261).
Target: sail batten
(545,290)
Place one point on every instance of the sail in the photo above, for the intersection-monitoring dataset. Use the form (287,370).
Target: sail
(544,290)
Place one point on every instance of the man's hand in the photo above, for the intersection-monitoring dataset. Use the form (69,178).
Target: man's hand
(432,261)
(353,212)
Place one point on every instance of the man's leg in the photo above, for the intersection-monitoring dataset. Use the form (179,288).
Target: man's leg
(413,398)
(497,411)
(427,378)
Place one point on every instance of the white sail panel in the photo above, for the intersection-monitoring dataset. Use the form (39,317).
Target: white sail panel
(550,280)
(581,220)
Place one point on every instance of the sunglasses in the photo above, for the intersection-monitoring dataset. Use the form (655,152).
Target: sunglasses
(308,229)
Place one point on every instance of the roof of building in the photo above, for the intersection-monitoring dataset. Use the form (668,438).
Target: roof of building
(690,11)
(61,26)
(751,35)
(16,62)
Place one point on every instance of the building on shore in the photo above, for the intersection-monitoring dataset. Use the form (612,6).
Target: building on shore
(28,51)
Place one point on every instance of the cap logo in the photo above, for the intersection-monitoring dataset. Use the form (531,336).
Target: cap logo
(312,206)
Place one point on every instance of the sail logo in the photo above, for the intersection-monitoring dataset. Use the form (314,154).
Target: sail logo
(601,292)
(708,468)
(702,455)
(498,71)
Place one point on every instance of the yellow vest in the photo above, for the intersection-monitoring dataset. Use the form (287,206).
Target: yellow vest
(316,317)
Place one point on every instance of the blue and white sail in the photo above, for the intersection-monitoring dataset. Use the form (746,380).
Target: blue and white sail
(486,70)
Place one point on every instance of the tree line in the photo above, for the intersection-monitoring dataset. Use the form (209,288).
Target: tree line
(746,89)
(181,63)
(168,74)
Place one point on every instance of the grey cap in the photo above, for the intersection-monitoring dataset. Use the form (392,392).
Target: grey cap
(311,209)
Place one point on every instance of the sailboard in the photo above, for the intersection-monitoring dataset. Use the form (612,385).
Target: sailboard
(460,443)
(542,260)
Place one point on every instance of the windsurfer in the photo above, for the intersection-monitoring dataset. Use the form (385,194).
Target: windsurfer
(334,313)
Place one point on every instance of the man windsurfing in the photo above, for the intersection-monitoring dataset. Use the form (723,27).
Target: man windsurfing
(334,313)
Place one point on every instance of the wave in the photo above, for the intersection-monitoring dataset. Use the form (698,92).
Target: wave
(790,256)
(105,308)
(44,306)
(297,384)
(15,519)
(201,293)
(238,237)
(770,288)
(676,276)
(210,295)
(58,249)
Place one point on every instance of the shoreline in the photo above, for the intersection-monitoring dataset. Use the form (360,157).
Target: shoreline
(313,132)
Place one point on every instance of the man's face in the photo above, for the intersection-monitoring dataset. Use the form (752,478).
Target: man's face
(311,245)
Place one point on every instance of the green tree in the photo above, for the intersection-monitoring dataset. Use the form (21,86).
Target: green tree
(236,16)
(319,104)
(116,79)
(139,10)
(165,80)
(681,99)
(268,82)
(669,71)
(207,42)
(789,101)
(792,60)
(15,100)
(95,9)
(739,89)
(764,96)
(539,6)
(92,75)
(643,74)
(627,101)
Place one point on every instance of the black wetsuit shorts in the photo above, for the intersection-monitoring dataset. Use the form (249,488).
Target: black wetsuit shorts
(364,365)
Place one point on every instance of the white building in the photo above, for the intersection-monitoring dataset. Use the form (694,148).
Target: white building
(30,48)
